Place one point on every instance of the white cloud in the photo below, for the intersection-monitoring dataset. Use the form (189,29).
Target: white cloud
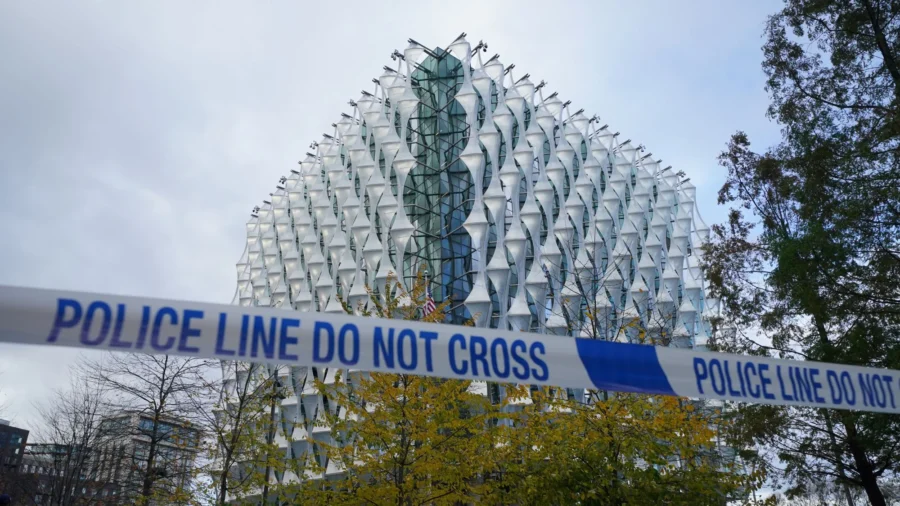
(136,137)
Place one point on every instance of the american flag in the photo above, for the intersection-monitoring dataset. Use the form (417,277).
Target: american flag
(429,306)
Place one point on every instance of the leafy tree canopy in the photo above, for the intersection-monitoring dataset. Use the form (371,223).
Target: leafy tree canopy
(808,262)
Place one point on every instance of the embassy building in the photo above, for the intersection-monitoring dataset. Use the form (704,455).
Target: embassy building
(526,213)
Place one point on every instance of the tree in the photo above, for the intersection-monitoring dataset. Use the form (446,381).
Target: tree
(413,440)
(806,266)
(239,431)
(403,439)
(150,427)
(65,452)
(68,437)
(626,449)
(831,492)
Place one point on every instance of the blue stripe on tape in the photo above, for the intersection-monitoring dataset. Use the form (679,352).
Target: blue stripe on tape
(623,367)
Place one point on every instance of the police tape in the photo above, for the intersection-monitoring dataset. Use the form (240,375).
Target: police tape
(279,336)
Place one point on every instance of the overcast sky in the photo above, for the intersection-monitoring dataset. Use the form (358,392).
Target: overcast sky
(135,137)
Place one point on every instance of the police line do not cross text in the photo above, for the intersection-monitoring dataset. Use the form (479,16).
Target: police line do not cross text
(277,336)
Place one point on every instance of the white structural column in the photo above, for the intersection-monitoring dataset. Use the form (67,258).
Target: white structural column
(479,300)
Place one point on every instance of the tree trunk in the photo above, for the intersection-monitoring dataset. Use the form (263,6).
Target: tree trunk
(223,485)
(149,475)
(883,45)
(839,461)
(863,466)
(270,437)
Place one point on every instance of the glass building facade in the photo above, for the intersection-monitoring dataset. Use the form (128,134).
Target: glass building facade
(439,185)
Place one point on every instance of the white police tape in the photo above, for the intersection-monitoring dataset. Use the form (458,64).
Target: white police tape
(277,336)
